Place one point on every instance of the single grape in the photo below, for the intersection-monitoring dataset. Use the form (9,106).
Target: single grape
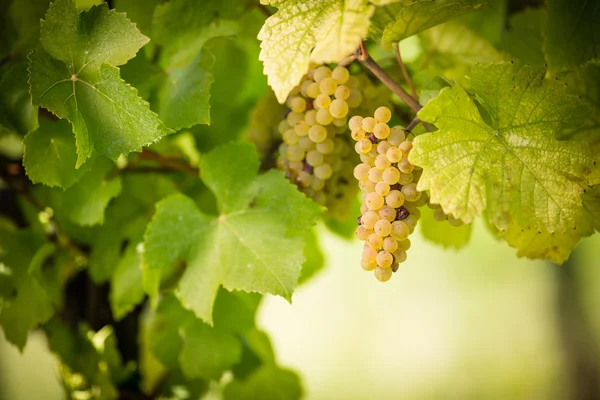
(314,158)
(396,136)
(326,146)
(297,104)
(328,86)
(410,192)
(321,73)
(394,199)
(290,137)
(324,117)
(374,201)
(358,134)
(362,233)
(317,133)
(381,130)
(363,146)
(387,212)
(390,244)
(383,146)
(406,146)
(310,117)
(383,274)
(400,230)
(383,227)
(341,75)
(375,175)
(404,244)
(338,108)
(323,171)
(382,162)
(390,175)
(342,92)
(369,254)
(382,188)
(369,219)
(405,166)
(361,171)
(384,259)
(368,265)
(322,101)
(383,114)
(368,124)
(394,154)
(355,122)
(375,241)
(405,179)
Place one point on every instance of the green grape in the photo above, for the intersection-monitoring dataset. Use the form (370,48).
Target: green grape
(338,108)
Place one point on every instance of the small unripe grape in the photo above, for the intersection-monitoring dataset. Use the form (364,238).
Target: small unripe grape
(369,219)
(304,178)
(340,74)
(396,136)
(375,175)
(295,153)
(382,162)
(384,259)
(405,179)
(305,143)
(410,192)
(367,186)
(368,124)
(290,137)
(454,222)
(439,215)
(368,265)
(405,166)
(342,92)
(363,146)
(394,154)
(411,222)
(293,118)
(400,256)
(283,126)
(422,200)
(382,188)
(324,117)
(355,122)
(322,101)
(383,146)
(328,86)
(375,241)
(314,158)
(404,244)
(390,244)
(383,227)
(321,73)
(400,230)
(338,108)
(374,201)
(310,117)
(301,128)
(383,114)
(388,213)
(406,146)
(317,184)
(313,90)
(394,199)
(383,274)
(317,133)
(367,158)
(390,175)
(323,171)
(358,134)
(326,146)
(369,254)
(353,82)
(362,233)
(340,123)
(381,130)
(355,98)
(361,171)
(297,104)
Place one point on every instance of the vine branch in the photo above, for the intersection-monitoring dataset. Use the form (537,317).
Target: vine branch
(363,57)
(168,163)
(409,81)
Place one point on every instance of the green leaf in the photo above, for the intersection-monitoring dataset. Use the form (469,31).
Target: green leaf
(508,162)
(28,304)
(420,15)
(572,34)
(138,11)
(126,290)
(250,246)
(523,39)
(321,31)
(50,155)
(87,200)
(75,77)
(268,382)
(315,260)
(441,232)
(177,337)
(17,114)
(184,97)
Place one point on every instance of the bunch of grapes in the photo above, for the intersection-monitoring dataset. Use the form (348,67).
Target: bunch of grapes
(262,126)
(389,192)
(315,153)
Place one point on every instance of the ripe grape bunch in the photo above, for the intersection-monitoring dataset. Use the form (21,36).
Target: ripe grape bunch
(389,192)
(315,154)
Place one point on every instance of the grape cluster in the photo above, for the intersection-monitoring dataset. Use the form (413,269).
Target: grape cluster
(315,153)
(390,197)
(262,124)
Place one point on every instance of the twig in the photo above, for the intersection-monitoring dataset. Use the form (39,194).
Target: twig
(169,163)
(363,56)
(347,61)
(263,9)
(417,121)
(405,72)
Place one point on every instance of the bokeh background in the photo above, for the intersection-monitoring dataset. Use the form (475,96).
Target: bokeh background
(479,323)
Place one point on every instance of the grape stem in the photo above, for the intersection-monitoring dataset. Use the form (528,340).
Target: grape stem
(409,81)
(169,163)
(362,56)
(416,122)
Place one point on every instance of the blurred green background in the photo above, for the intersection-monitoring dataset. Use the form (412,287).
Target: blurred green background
(475,324)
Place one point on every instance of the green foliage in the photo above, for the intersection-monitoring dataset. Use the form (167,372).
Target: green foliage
(114,228)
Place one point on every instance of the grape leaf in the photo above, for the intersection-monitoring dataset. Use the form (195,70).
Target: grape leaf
(87,200)
(441,232)
(524,38)
(50,155)
(572,34)
(126,290)
(250,246)
(508,162)
(28,304)
(420,15)
(315,259)
(75,77)
(138,11)
(268,382)
(17,114)
(321,31)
